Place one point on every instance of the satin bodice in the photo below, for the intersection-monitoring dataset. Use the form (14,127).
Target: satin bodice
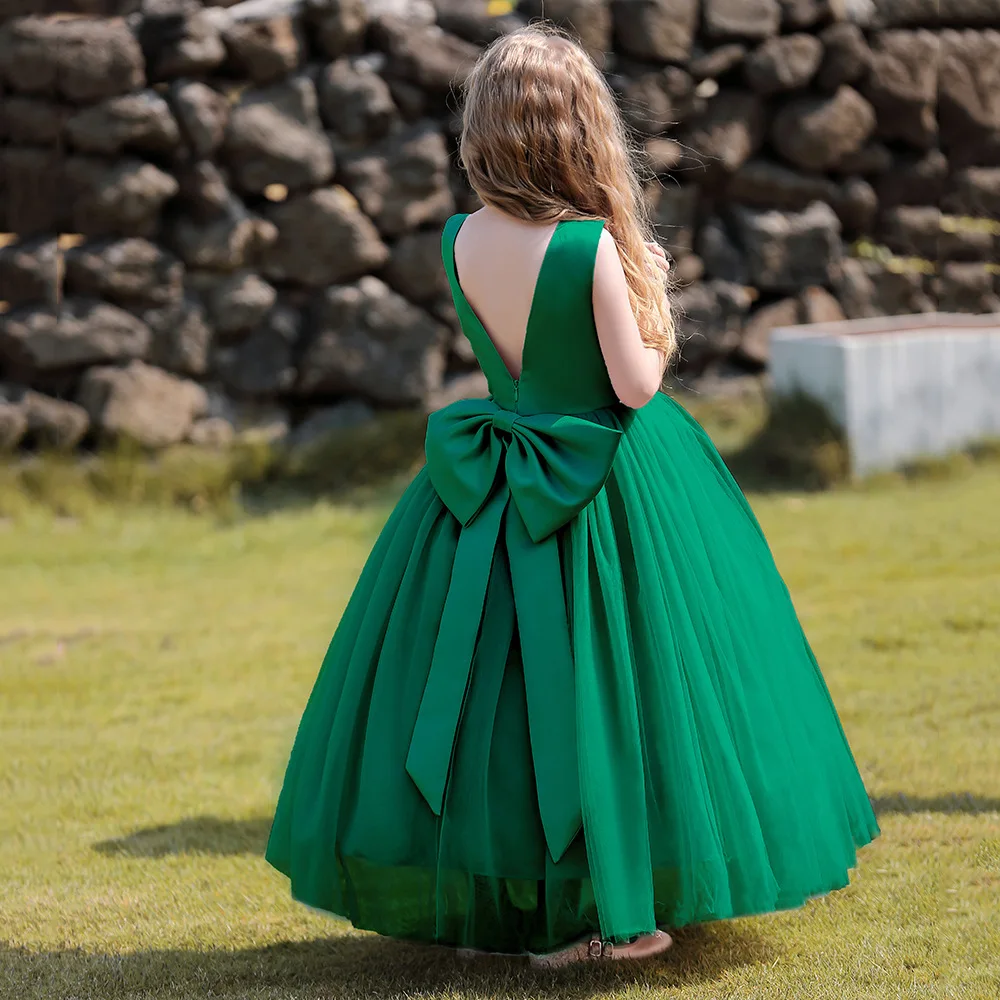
(562,368)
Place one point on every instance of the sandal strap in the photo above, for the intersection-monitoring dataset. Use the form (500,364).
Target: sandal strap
(599,948)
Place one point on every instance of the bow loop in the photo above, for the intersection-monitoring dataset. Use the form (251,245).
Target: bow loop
(554,463)
(503,420)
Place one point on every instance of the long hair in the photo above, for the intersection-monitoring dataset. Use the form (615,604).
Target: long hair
(543,140)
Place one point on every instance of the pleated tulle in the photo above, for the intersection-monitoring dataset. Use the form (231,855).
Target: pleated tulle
(715,777)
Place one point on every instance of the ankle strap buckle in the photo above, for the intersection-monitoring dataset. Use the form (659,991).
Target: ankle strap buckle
(600,949)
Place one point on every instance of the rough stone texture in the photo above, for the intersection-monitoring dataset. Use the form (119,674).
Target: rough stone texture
(916,180)
(426,56)
(203,114)
(966,287)
(913,231)
(819,306)
(369,341)
(13,424)
(785,63)
(799,14)
(716,62)
(239,302)
(265,51)
(475,23)
(53,423)
(865,289)
(122,197)
(182,338)
(339,26)
(29,272)
(847,56)
(355,101)
(223,181)
(728,133)
(863,13)
(765,184)
(934,13)
(659,30)
(142,403)
(33,121)
(873,158)
(787,250)
(709,320)
(250,419)
(588,20)
(816,132)
(180,40)
(263,364)
(324,238)
(415,269)
(754,19)
(329,420)
(674,212)
(275,136)
(857,206)
(903,85)
(77,59)
(970,97)
(224,243)
(721,256)
(654,101)
(128,272)
(36,199)
(755,345)
(80,332)
(205,193)
(975,191)
(966,243)
(136,121)
(402,182)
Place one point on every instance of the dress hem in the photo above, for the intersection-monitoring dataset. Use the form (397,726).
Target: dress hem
(800,900)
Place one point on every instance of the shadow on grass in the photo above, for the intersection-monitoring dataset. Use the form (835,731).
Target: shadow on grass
(957,803)
(226,837)
(366,967)
(798,447)
(197,835)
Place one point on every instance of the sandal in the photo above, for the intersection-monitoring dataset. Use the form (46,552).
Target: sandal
(592,948)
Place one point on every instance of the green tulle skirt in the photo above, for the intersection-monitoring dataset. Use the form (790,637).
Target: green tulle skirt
(710,769)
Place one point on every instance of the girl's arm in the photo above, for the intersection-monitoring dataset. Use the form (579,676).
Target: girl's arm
(636,371)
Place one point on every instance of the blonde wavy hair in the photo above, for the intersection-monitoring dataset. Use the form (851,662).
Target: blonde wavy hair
(543,140)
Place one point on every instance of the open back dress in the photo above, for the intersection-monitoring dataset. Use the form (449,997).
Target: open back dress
(570,692)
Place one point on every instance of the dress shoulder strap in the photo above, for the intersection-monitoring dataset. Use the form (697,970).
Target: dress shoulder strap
(448,234)
(580,240)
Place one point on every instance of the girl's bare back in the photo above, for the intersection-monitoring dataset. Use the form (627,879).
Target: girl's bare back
(498,259)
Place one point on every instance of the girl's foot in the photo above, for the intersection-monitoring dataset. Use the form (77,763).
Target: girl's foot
(644,946)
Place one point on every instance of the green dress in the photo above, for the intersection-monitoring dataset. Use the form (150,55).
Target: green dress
(570,692)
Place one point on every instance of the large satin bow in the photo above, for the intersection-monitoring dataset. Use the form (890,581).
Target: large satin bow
(541,469)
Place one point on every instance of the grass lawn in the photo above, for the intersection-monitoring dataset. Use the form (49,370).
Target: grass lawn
(153,666)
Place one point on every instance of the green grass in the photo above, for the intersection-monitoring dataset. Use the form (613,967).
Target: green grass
(153,665)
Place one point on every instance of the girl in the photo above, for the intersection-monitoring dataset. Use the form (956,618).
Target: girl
(569,703)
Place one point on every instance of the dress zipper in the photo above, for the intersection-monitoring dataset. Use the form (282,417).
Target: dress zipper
(517,384)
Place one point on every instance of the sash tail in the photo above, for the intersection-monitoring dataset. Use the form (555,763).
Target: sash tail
(550,686)
(432,744)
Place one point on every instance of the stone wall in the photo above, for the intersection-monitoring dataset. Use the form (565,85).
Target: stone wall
(219,223)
